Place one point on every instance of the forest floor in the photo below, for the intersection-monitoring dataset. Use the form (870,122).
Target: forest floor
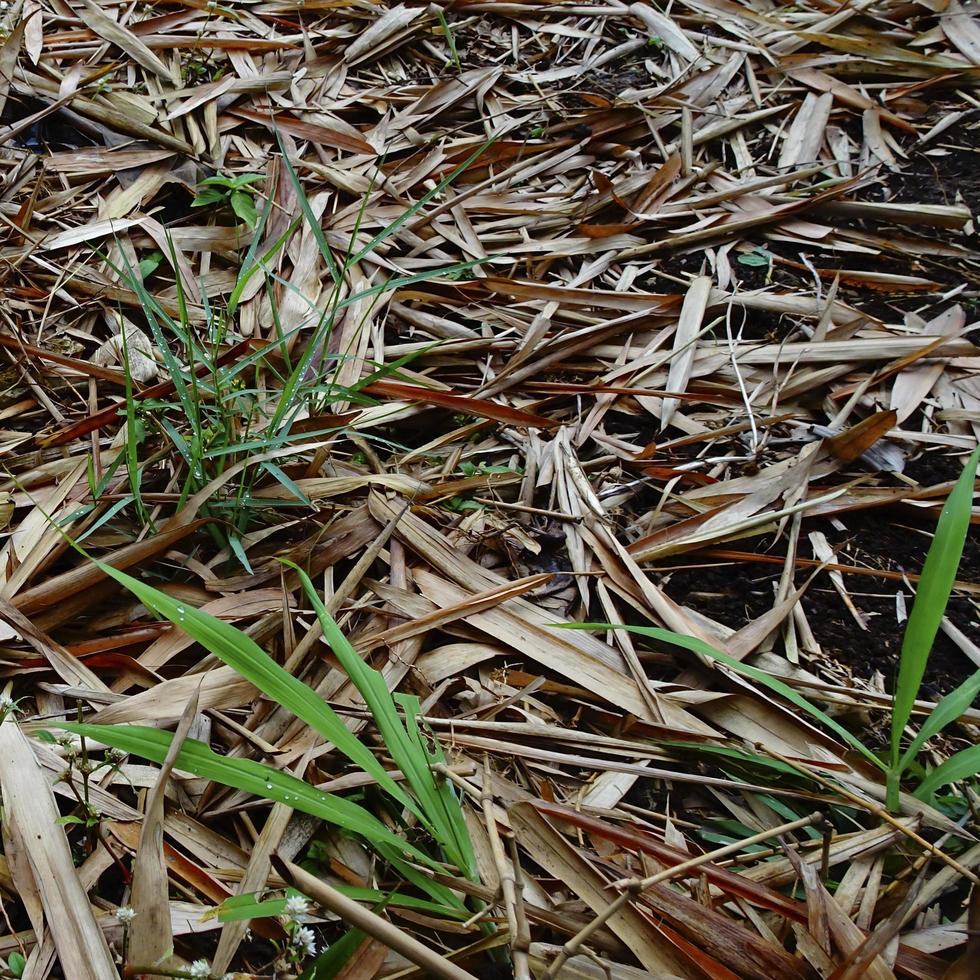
(377,342)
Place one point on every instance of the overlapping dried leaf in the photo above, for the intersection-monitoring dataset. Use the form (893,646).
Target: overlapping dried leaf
(693,318)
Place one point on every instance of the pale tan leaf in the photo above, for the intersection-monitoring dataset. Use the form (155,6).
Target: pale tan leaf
(29,805)
(549,849)
(150,938)
(685,343)
(962,29)
(103,25)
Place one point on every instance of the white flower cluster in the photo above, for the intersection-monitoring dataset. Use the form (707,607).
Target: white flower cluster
(296,906)
(303,941)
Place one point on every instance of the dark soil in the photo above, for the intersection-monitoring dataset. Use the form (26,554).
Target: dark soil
(735,594)
(946,171)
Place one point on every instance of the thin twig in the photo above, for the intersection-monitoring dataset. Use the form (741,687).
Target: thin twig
(875,810)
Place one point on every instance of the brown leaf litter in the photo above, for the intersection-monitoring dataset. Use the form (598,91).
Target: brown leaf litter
(687,340)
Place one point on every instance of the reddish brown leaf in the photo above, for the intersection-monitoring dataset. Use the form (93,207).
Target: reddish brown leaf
(859,438)
(465,404)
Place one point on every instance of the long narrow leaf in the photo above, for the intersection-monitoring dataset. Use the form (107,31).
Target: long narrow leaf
(407,751)
(773,683)
(450,812)
(241,652)
(963,765)
(935,585)
(248,776)
(945,713)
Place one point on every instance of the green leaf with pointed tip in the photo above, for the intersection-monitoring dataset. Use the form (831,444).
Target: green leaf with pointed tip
(935,585)
(268,783)
(332,960)
(210,195)
(440,807)
(244,206)
(241,652)
(963,765)
(249,776)
(767,680)
(945,713)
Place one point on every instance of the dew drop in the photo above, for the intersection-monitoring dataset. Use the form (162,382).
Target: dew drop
(268,785)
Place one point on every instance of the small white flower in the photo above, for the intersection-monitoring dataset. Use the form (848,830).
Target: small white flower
(125,914)
(6,701)
(296,905)
(200,968)
(304,940)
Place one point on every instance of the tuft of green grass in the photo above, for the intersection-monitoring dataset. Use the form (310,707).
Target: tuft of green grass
(430,800)
(224,414)
(935,586)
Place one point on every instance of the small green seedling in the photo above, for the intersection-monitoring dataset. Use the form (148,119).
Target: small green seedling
(450,40)
(757,258)
(935,586)
(238,191)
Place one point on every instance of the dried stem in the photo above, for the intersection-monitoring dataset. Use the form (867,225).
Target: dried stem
(877,811)
(506,874)
(376,927)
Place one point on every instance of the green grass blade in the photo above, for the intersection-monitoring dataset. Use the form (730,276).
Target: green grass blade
(440,791)
(945,713)
(767,680)
(107,516)
(266,782)
(249,270)
(132,438)
(450,40)
(741,758)
(241,652)
(963,765)
(935,585)
(287,483)
(372,688)
(442,813)
(315,225)
(248,776)
(333,960)
(410,212)
(235,543)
